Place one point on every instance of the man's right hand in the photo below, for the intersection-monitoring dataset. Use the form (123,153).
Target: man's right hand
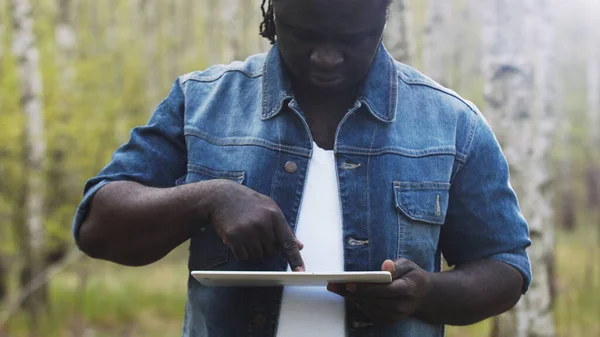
(252,224)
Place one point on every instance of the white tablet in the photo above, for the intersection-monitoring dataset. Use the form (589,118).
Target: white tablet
(272,279)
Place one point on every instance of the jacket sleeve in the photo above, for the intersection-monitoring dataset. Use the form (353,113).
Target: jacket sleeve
(484,220)
(155,154)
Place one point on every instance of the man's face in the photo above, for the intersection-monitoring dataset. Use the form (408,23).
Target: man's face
(328,45)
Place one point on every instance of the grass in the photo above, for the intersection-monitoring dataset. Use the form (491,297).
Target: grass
(149,301)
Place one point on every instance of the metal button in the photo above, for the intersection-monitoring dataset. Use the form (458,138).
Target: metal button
(259,320)
(291,167)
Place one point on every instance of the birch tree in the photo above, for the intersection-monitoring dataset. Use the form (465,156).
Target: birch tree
(250,23)
(60,181)
(593,104)
(4,218)
(518,95)
(65,41)
(437,41)
(2,30)
(212,46)
(398,37)
(4,221)
(27,56)
(230,30)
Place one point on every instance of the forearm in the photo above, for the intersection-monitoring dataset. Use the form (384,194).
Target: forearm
(470,293)
(133,224)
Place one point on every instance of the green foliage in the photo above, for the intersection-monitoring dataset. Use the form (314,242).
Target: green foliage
(141,301)
(149,301)
(89,115)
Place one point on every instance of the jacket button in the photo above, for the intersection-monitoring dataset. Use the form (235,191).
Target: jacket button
(259,320)
(291,167)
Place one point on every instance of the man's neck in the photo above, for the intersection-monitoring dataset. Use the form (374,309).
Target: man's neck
(324,112)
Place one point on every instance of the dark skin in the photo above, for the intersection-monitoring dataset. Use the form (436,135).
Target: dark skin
(327,47)
(337,40)
(328,55)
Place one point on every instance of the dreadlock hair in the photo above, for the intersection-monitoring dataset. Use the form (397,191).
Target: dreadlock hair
(267,27)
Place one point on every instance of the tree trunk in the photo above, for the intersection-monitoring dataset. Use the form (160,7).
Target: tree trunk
(59,182)
(27,56)
(398,37)
(519,105)
(565,171)
(3,280)
(466,49)
(593,108)
(213,43)
(150,32)
(230,28)
(437,41)
(2,32)
(66,41)
(250,23)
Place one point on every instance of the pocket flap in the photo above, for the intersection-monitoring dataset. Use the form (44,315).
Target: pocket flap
(423,201)
(200,173)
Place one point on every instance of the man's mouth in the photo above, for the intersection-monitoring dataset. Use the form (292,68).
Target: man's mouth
(327,81)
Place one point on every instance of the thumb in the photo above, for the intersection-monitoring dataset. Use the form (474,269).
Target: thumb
(388,265)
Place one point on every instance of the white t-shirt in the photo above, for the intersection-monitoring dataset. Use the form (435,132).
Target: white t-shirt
(313,311)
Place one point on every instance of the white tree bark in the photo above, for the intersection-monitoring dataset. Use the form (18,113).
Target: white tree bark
(212,42)
(230,29)
(60,181)
(2,32)
(3,221)
(66,41)
(249,22)
(437,41)
(593,74)
(27,56)
(593,108)
(517,68)
(398,37)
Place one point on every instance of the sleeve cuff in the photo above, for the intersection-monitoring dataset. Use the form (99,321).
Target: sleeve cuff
(520,261)
(84,207)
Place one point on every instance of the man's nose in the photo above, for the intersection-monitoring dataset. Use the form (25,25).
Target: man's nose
(326,58)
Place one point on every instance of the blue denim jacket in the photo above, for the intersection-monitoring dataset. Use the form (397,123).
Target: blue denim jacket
(420,174)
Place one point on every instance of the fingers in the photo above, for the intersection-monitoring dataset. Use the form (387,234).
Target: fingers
(255,250)
(398,268)
(269,242)
(397,289)
(288,243)
(292,252)
(240,252)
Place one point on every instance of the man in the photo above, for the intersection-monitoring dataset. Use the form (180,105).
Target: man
(371,164)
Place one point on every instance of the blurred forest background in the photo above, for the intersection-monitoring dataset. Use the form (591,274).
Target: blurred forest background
(77,75)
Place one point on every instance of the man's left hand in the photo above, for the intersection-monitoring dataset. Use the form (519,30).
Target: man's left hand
(389,303)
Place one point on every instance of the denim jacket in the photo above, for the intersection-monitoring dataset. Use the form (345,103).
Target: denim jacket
(420,174)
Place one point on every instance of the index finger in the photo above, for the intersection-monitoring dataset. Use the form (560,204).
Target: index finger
(288,242)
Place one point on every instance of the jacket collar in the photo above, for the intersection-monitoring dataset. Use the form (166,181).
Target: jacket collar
(379,91)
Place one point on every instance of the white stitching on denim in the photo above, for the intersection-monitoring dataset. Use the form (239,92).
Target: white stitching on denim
(349,166)
(276,175)
(355,242)
(448,150)
(241,141)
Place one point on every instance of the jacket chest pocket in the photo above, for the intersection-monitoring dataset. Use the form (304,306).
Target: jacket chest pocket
(207,250)
(421,208)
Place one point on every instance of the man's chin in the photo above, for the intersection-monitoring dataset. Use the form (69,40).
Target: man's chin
(326,83)
(327,86)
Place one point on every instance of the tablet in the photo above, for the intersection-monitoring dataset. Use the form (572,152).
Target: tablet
(276,279)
